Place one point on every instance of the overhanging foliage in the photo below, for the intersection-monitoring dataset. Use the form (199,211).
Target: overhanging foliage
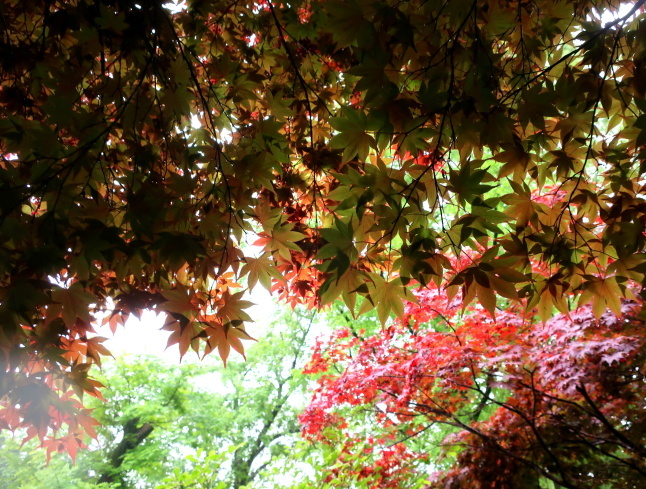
(493,148)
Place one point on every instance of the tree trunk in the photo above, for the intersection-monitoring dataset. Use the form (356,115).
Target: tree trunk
(133,436)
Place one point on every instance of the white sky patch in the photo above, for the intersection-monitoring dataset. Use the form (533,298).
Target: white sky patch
(140,337)
(226,136)
(145,336)
(175,6)
(608,16)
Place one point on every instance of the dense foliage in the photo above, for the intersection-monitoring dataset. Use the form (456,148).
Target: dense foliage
(494,148)
(509,403)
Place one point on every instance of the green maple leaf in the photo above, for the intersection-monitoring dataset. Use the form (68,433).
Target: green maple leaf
(281,239)
(388,297)
(262,270)
(353,137)
(467,183)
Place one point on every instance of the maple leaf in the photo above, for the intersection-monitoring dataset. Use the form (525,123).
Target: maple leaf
(521,206)
(353,137)
(603,294)
(467,183)
(261,269)
(231,308)
(184,333)
(343,283)
(75,302)
(180,300)
(280,240)
(387,297)
(95,350)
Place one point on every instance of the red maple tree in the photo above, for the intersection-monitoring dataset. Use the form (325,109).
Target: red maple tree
(520,401)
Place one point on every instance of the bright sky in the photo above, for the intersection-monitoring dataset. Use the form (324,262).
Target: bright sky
(145,337)
(623,10)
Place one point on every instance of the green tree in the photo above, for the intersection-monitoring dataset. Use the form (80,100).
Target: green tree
(163,425)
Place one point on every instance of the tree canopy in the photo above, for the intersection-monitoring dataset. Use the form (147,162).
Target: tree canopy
(491,148)
(445,399)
